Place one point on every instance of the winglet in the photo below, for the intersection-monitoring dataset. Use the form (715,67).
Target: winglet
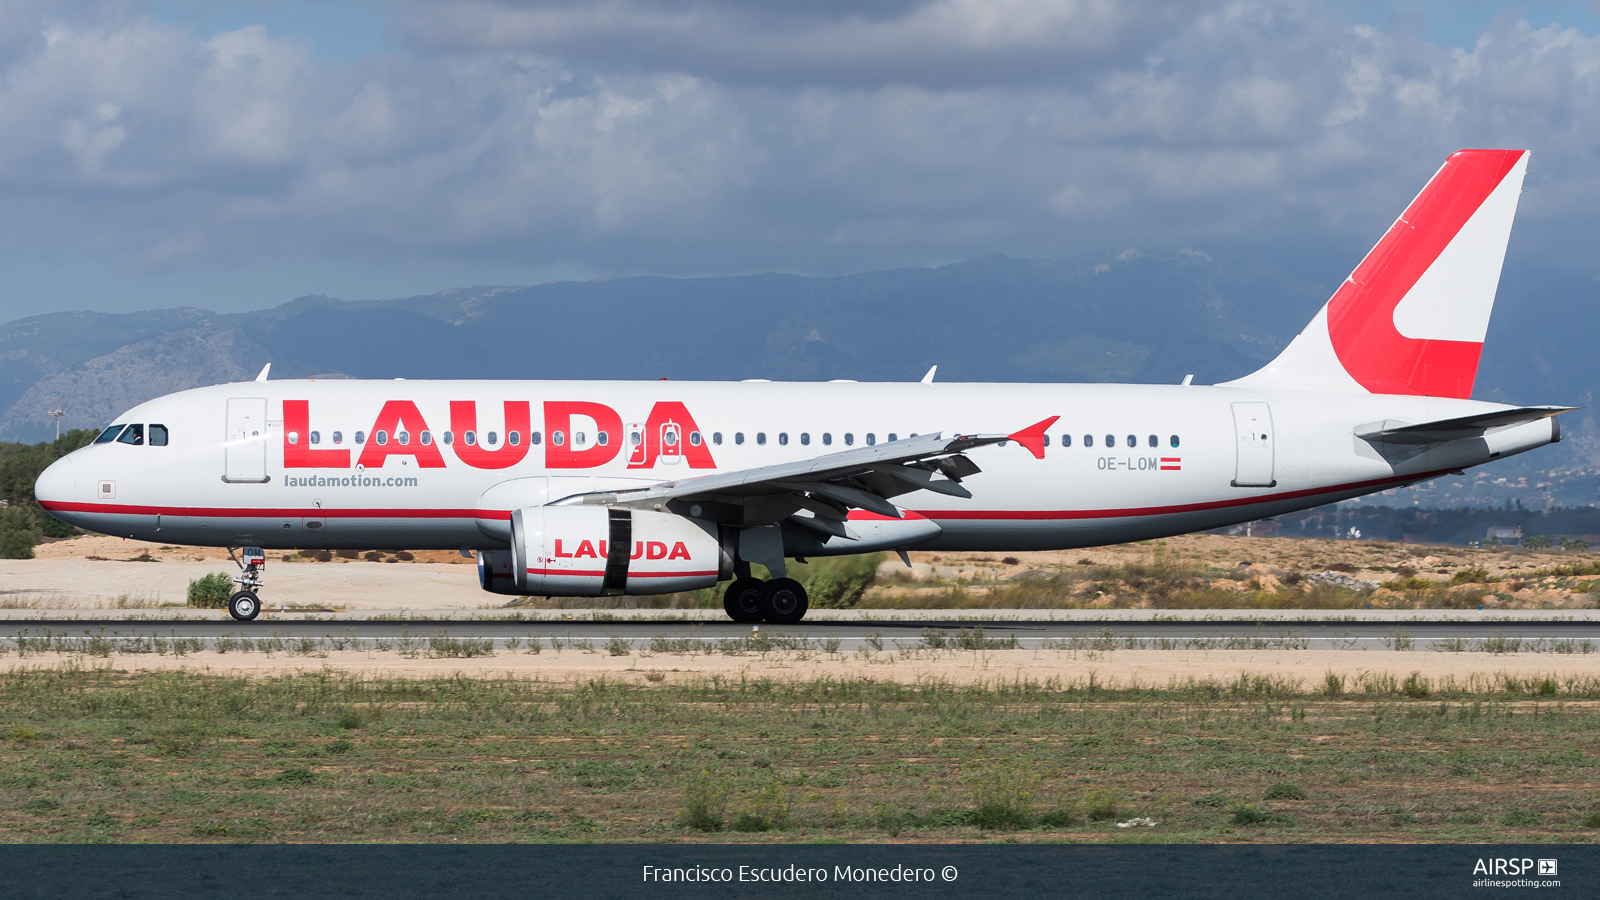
(263,375)
(1032,437)
(928,378)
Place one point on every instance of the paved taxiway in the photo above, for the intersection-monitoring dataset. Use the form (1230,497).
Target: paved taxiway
(1240,634)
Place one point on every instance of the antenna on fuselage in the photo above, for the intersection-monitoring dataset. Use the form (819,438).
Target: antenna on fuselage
(264,370)
(928,378)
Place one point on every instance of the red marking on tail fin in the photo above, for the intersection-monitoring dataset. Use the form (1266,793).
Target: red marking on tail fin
(1032,437)
(1361,313)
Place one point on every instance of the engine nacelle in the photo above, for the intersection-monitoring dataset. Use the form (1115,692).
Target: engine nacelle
(594,551)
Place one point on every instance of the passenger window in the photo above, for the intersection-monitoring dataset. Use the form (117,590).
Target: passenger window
(426,438)
(849,439)
(1155,441)
(158,435)
(1174,440)
(635,438)
(827,439)
(449,437)
(604,438)
(694,439)
(738,437)
(494,438)
(514,438)
(293,437)
(871,439)
(558,438)
(109,435)
(404,437)
(579,438)
(316,436)
(361,437)
(761,437)
(1133,440)
(1047,440)
(783,438)
(716,438)
(1111,441)
(534,438)
(381,437)
(1088,440)
(1066,440)
(805,438)
(670,438)
(133,434)
(338,437)
(892,438)
(470,437)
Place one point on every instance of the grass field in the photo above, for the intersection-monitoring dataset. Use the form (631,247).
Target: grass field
(107,756)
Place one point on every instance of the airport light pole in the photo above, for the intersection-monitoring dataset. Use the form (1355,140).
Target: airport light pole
(58,412)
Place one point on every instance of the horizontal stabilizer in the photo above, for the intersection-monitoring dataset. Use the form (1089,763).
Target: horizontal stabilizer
(1444,430)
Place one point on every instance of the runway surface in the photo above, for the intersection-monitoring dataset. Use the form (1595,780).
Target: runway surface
(1498,636)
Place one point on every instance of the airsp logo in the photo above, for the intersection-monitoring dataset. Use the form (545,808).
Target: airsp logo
(1502,866)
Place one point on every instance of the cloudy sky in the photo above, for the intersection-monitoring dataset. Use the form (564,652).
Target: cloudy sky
(234,155)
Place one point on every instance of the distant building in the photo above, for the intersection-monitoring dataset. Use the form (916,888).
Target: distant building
(1510,535)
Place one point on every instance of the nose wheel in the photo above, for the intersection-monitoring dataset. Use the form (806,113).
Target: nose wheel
(244,606)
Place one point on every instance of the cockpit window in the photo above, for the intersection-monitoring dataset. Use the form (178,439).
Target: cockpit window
(133,434)
(158,435)
(109,435)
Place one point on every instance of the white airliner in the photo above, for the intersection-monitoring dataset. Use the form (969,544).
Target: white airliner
(599,488)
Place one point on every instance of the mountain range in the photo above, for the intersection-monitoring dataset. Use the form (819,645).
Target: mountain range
(1126,317)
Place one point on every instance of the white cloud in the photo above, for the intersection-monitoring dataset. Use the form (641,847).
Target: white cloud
(703,137)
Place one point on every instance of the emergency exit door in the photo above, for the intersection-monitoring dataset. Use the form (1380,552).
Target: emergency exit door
(1252,425)
(246,443)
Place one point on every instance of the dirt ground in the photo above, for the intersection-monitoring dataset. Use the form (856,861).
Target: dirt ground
(1148,668)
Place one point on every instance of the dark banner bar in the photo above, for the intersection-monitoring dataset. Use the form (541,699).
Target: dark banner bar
(391,872)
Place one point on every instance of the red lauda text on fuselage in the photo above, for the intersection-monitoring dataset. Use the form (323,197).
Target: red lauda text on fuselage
(668,431)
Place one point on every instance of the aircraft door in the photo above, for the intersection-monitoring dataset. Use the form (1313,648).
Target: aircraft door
(1252,423)
(246,444)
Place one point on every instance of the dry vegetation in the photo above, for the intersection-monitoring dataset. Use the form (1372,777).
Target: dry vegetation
(103,755)
(1217,572)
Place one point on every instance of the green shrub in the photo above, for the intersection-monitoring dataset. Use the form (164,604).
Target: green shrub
(1246,814)
(210,591)
(297,776)
(17,534)
(1102,806)
(1521,818)
(836,582)
(705,803)
(1284,791)
(1002,796)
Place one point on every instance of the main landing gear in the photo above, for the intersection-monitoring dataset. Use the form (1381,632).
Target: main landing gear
(781,601)
(245,605)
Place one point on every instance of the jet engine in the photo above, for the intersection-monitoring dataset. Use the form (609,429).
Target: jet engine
(595,551)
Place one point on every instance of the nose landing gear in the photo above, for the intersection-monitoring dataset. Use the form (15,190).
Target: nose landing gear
(781,601)
(245,605)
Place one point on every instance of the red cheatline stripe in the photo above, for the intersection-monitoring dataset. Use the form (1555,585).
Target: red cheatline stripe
(1172,459)
(584,573)
(1258,499)
(269,512)
(1172,468)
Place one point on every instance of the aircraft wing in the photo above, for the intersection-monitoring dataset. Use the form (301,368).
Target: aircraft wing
(1392,432)
(819,493)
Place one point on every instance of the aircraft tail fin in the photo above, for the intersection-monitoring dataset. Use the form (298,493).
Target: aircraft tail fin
(1412,316)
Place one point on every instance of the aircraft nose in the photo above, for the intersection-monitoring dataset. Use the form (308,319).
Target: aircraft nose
(57,483)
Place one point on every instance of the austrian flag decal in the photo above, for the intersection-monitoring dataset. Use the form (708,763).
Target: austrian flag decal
(1171,464)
